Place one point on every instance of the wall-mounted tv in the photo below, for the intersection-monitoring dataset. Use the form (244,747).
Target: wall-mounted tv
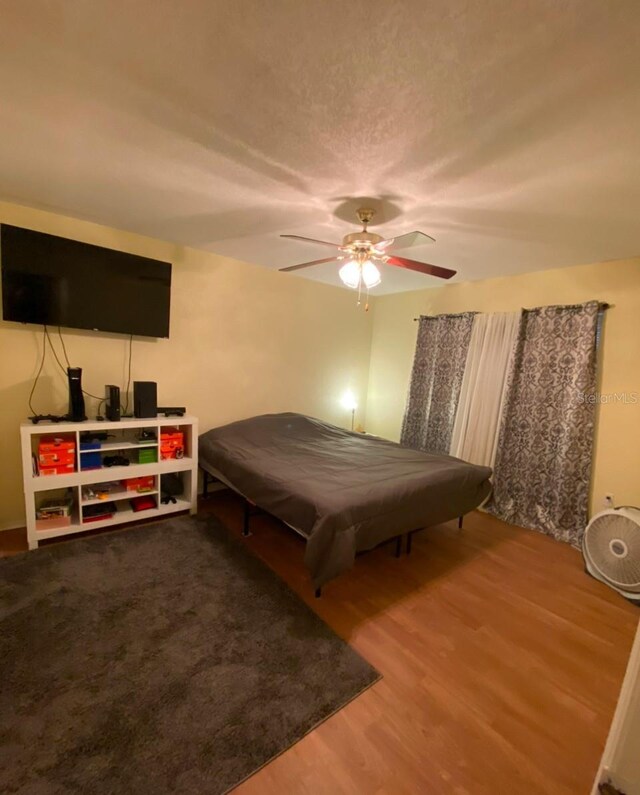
(53,281)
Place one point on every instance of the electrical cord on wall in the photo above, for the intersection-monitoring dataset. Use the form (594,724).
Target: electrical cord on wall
(46,338)
(126,405)
(42,358)
(61,366)
(53,350)
(64,347)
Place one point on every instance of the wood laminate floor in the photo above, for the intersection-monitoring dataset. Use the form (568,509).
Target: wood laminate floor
(502,664)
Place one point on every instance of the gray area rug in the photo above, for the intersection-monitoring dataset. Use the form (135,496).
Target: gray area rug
(160,659)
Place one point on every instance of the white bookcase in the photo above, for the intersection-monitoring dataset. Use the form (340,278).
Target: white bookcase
(121,441)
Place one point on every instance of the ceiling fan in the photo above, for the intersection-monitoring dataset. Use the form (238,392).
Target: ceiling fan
(361,250)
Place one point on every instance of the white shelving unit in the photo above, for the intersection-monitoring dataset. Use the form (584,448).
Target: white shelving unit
(36,486)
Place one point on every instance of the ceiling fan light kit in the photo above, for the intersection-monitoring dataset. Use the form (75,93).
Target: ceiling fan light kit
(370,274)
(360,274)
(350,274)
(363,249)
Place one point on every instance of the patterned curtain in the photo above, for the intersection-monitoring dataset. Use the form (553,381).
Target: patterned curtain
(438,368)
(543,463)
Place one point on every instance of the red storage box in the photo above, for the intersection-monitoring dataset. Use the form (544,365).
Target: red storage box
(143,503)
(50,459)
(146,483)
(172,436)
(56,444)
(87,519)
(167,451)
(57,469)
(56,455)
(171,443)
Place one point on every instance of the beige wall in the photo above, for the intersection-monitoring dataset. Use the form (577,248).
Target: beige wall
(617,450)
(244,340)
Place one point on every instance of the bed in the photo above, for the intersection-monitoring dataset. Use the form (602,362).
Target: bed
(344,492)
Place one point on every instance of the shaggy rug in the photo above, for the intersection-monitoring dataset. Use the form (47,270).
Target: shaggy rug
(159,659)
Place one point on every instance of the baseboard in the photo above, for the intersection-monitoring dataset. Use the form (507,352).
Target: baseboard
(616,785)
(18,524)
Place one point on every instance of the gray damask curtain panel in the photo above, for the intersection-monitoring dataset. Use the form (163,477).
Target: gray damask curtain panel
(436,378)
(543,464)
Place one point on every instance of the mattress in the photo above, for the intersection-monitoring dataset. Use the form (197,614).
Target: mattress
(345,492)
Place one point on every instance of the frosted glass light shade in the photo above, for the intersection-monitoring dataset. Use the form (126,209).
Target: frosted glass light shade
(349,401)
(353,274)
(350,274)
(370,274)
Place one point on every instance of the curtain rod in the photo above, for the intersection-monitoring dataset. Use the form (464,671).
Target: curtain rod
(451,314)
(602,305)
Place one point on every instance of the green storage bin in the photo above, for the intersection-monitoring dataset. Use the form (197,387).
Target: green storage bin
(148,455)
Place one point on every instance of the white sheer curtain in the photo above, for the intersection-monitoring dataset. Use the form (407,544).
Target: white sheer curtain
(475,431)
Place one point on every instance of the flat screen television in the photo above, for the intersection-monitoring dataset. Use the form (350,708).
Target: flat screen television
(53,281)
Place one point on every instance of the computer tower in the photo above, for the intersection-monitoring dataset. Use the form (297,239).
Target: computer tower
(112,401)
(76,398)
(145,399)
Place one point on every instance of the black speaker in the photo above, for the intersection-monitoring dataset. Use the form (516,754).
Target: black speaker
(145,399)
(112,400)
(76,398)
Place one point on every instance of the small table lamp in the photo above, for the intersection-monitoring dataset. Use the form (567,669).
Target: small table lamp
(351,404)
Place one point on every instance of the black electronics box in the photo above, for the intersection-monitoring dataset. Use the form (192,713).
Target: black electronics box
(76,398)
(112,400)
(145,399)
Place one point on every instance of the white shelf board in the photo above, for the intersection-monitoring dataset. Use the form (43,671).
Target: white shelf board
(129,515)
(106,446)
(119,495)
(55,532)
(120,517)
(46,482)
(47,428)
(181,504)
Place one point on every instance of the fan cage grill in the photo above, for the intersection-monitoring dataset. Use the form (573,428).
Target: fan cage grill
(612,547)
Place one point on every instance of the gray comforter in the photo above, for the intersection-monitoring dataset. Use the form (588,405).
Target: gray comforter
(344,491)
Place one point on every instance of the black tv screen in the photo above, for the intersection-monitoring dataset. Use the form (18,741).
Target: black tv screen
(53,281)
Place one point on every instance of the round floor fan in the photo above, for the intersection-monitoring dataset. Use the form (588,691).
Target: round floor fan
(611,548)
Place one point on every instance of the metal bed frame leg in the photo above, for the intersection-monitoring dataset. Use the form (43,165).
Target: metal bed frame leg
(205,483)
(460,518)
(409,540)
(245,519)
(318,593)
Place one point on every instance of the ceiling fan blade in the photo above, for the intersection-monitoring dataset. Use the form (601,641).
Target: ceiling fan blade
(311,240)
(404,241)
(309,264)
(421,267)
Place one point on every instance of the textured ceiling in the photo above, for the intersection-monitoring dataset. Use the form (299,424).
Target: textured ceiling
(509,130)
